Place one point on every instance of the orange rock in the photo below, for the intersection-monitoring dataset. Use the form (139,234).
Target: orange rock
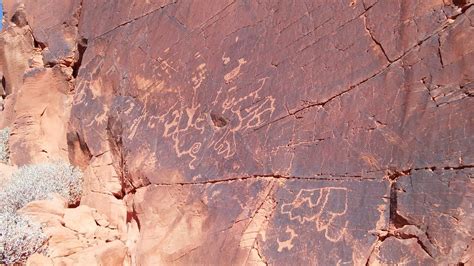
(106,234)
(133,236)
(55,205)
(63,242)
(266,131)
(5,172)
(19,44)
(171,231)
(394,251)
(39,260)
(101,176)
(100,218)
(112,208)
(80,219)
(59,32)
(41,111)
(112,253)
(48,212)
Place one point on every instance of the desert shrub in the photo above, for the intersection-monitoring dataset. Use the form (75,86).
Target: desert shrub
(4,152)
(20,237)
(37,181)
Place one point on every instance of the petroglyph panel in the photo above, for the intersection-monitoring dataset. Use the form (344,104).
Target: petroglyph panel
(322,207)
(336,220)
(298,91)
(206,218)
(266,99)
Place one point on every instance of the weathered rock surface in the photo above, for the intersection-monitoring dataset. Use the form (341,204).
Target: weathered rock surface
(41,115)
(38,260)
(36,94)
(263,132)
(16,47)
(80,220)
(76,236)
(5,172)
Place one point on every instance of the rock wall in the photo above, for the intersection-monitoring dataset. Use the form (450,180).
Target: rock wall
(256,132)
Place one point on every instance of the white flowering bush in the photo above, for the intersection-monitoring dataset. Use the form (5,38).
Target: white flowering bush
(4,152)
(38,181)
(20,237)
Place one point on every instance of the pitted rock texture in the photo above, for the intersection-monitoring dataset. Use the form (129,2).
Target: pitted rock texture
(272,132)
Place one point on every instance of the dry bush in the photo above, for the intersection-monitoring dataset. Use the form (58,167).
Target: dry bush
(4,152)
(20,237)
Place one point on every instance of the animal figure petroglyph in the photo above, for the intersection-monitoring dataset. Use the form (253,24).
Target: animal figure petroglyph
(246,112)
(188,124)
(322,206)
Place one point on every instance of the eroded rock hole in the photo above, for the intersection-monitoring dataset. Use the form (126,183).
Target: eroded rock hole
(218,121)
(460,3)
(19,18)
(39,45)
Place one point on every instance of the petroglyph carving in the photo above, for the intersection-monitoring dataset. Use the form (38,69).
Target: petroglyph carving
(246,112)
(287,244)
(250,110)
(225,59)
(233,114)
(242,113)
(199,76)
(323,207)
(174,129)
(229,77)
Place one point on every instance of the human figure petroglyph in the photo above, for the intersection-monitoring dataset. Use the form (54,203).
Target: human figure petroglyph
(237,114)
(199,76)
(182,123)
(246,112)
(321,206)
(241,114)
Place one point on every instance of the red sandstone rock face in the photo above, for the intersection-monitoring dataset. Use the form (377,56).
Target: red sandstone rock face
(37,91)
(278,132)
(41,113)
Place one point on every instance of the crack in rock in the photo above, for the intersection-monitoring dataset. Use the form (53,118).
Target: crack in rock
(133,20)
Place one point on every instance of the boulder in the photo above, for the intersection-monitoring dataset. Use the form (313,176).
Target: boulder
(39,260)
(55,205)
(110,207)
(112,253)
(63,241)
(106,234)
(80,219)
(48,212)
